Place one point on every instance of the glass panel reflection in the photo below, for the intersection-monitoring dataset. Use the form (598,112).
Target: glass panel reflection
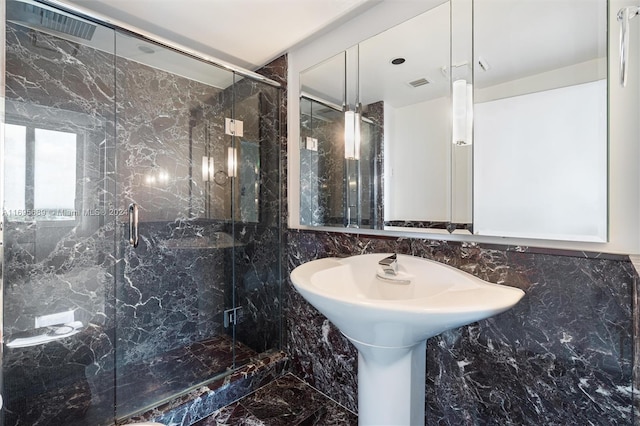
(14,167)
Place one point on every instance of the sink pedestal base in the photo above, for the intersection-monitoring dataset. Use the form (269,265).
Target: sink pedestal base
(391,384)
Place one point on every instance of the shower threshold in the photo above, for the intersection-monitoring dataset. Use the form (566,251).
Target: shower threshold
(141,387)
(207,398)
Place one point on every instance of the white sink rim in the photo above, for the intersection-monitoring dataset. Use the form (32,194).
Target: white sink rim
(303,279)
(404,322)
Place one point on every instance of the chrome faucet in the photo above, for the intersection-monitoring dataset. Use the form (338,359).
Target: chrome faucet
(390,265)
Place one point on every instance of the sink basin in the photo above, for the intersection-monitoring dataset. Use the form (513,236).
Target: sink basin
(385,313)
(389,318)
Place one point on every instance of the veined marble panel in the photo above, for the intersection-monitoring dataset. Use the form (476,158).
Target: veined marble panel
(285,401)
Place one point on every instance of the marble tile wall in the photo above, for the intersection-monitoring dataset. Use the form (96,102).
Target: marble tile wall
(258,264)
(563,355)
(172,289)
(182,289)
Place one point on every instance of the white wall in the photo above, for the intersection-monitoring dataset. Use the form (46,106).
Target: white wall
(624,125)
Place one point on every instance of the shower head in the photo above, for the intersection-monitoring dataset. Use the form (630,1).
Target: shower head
(41,17)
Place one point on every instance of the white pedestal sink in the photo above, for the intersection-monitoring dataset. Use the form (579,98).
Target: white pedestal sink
(389,321)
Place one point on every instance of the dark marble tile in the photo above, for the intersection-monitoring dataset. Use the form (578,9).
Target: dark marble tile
(234,414)
(285,401)
(329,415)
(62,262)
(636,333)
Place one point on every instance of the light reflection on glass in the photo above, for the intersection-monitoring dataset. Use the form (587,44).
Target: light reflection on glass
(54,170)
(14,167)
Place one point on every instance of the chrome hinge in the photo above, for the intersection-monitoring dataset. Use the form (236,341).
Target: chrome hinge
(233,127)
(232,316)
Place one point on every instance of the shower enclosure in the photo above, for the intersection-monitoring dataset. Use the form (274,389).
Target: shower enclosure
(141,219)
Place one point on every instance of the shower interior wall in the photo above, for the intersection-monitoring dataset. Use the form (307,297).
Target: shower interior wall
(149,320)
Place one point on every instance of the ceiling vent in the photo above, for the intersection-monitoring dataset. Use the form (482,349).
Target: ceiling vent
(44,18)
(419,82)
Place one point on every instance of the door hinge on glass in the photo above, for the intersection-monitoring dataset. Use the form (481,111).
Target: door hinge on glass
(232,316)
(233,127)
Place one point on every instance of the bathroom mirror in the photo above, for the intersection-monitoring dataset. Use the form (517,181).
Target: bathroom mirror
(483,122)
(540,119)
(321,130)
(398,171)
(405,77)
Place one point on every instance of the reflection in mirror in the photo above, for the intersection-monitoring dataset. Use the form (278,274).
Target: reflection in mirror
(321,143)
(399,99)
(336,190)
(462,115)
(320,127)
(340,148)
(540,119)
(405,70)
(326,81)
(249,178)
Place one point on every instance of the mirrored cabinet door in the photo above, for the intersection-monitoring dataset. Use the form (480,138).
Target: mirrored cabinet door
(322,168)
(540,119)
(405,72)
(393,126)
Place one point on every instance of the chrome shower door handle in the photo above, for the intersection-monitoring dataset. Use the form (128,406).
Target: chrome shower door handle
(133,224)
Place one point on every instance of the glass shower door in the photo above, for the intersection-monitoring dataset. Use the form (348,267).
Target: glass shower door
(174,279)
(257,224)
(58,231)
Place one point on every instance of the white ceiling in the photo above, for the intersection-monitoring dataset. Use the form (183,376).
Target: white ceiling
(246,33)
